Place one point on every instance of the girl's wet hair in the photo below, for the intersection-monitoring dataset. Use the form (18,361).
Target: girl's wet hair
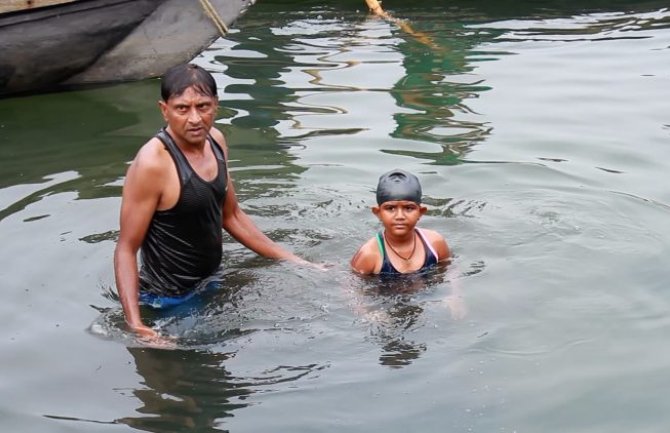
(179,78)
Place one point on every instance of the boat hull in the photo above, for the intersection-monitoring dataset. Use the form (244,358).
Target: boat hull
(104,41)
(174,33)
(41,48)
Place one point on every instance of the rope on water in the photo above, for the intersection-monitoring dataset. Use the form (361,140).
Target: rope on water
(211,12)
(376,8)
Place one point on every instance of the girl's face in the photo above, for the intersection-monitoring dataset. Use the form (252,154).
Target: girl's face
(399,216)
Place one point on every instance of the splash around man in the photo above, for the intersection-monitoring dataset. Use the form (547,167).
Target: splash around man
(177,196)
(401,248)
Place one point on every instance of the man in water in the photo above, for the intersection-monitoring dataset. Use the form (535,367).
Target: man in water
(176,198)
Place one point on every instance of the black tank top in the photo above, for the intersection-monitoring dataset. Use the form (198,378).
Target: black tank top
(183,244)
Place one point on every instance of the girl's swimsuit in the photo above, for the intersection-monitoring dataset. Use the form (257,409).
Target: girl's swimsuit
(387,266)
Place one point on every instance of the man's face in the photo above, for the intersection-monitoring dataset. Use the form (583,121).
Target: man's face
(399,216)
(189,115)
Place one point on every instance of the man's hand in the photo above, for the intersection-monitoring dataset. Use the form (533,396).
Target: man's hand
(152,338)
(292,258)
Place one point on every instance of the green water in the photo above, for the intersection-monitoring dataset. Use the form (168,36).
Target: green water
(540,132)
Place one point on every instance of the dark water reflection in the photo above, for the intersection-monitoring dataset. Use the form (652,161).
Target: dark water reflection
(393,307)
(72,142)
(191,390)
(55,132)
(184,389)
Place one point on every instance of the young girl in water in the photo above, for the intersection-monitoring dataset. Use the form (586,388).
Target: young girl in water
(400,248)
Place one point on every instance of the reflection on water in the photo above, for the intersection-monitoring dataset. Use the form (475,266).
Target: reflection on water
(435,89)
(394,333)
(93,133)
(192,389)
(393,307)
(71,142)
(185,389)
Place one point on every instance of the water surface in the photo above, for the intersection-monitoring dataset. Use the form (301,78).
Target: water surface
(539,131)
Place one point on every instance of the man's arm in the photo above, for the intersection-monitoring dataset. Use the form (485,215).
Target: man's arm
(236,222)
(141,193)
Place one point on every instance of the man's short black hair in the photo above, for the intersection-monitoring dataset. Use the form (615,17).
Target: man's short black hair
(179,78)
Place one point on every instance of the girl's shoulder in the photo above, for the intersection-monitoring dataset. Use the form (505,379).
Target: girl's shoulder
(368,257)
(431,235)
(438,242)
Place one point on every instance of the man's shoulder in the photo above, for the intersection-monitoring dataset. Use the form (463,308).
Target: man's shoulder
(152,157)
(218,136)
(219,139)
(152,162)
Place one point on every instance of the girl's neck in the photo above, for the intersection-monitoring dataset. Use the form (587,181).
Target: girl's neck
(402,239)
